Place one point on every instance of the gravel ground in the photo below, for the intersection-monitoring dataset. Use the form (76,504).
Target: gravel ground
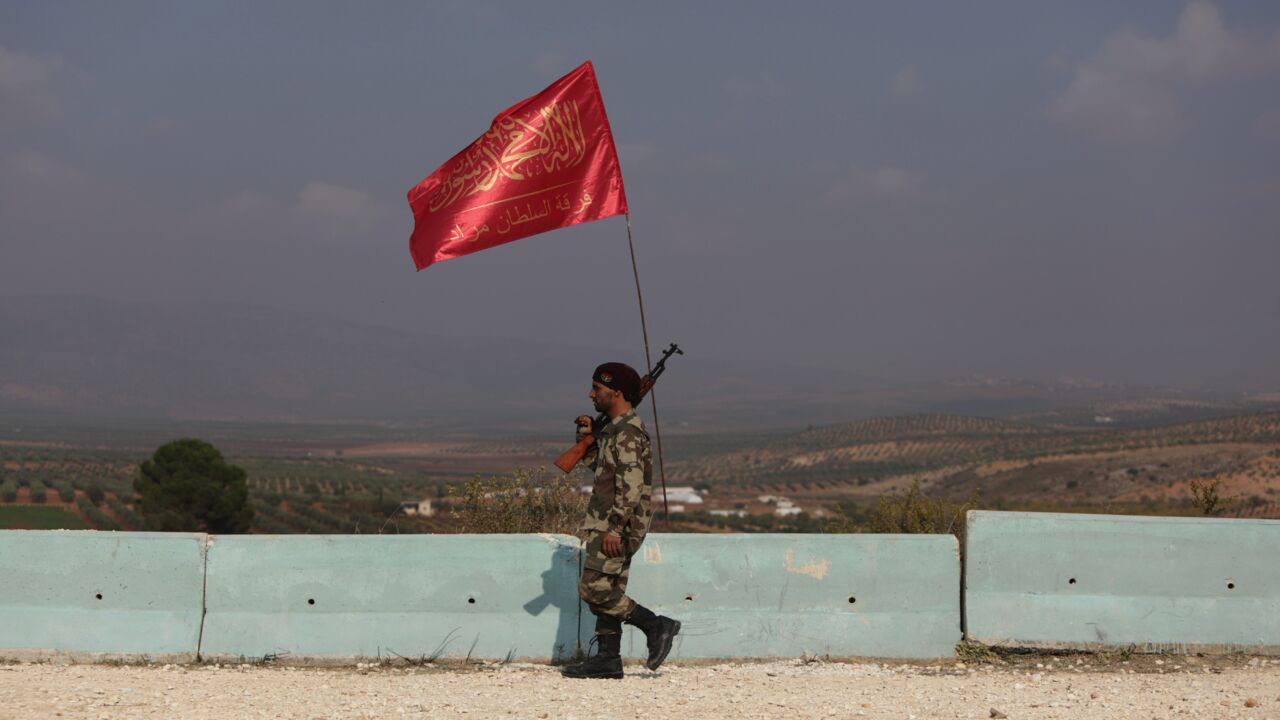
(1060,687)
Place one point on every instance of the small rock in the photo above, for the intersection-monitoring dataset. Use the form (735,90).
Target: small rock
(1251,702)
(997,714)
(1093,696)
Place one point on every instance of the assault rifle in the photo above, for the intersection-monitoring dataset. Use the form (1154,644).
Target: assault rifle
(574,455)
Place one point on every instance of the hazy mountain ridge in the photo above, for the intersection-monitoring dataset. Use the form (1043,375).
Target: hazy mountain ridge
(205,361)
(233,362)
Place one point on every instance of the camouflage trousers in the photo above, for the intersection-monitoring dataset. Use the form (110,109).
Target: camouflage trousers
(603,586)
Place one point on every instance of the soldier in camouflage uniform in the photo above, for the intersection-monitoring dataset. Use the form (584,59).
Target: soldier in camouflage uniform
(617,520)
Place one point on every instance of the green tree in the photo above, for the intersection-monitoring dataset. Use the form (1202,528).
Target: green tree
(187,486)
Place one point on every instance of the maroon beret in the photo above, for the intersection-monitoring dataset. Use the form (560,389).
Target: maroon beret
(620,377)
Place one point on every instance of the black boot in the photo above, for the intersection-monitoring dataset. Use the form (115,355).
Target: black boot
(659,630)
(606,663)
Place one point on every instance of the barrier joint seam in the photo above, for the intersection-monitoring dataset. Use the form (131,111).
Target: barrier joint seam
(206,542)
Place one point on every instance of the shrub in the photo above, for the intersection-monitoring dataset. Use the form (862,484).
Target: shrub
(913,512)
(95,493)
(528,501)
(101,520)
(123,512)
(848,517)
(1205,496)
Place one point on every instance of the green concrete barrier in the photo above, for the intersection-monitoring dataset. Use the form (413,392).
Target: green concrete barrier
(494,596)
(1032,580)
(891,596)
(342,597)
(89,595)
(1089,581)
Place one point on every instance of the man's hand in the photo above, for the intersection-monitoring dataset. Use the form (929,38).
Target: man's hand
(584,425)
(611,544)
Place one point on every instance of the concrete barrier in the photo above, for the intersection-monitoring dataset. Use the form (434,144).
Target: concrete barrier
(89,595)
(1086,581)
(1032,579)
(493,596)
(340,597)
(892,596)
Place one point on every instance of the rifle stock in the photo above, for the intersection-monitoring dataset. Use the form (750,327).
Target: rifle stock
(574,455)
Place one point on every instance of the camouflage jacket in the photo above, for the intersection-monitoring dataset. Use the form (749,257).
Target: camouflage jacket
(621,497)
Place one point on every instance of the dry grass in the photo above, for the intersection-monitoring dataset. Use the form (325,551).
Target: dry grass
(531,500)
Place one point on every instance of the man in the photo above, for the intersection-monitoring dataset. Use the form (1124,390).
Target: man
(617,520)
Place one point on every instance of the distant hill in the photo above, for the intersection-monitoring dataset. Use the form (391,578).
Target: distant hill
(87,357)
(1002,461)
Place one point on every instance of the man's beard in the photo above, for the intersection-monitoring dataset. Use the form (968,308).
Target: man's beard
(602,403)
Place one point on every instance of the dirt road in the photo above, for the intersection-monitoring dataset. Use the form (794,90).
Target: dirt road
(1051,688)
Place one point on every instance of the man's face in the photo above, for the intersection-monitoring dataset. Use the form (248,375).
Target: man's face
(601,396)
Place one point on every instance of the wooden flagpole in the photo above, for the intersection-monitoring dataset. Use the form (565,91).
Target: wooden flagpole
(648,364)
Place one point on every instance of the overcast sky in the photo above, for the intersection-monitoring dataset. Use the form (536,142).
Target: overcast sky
(902,189)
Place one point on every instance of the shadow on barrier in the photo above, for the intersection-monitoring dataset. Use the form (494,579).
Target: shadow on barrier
(417,597)
(560,591)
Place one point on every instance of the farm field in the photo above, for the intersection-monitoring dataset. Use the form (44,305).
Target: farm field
(336,479)
(28,517)
(322,479)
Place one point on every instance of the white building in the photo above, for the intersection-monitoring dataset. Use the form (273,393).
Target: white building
(684,494)
(786,507)
(421,507)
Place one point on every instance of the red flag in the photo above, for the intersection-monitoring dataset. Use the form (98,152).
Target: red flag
(546,162)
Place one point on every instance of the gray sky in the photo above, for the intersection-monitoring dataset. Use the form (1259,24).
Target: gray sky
(902,189)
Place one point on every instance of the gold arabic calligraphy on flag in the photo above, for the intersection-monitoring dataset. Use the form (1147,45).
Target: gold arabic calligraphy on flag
(514,216)
(550,140)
